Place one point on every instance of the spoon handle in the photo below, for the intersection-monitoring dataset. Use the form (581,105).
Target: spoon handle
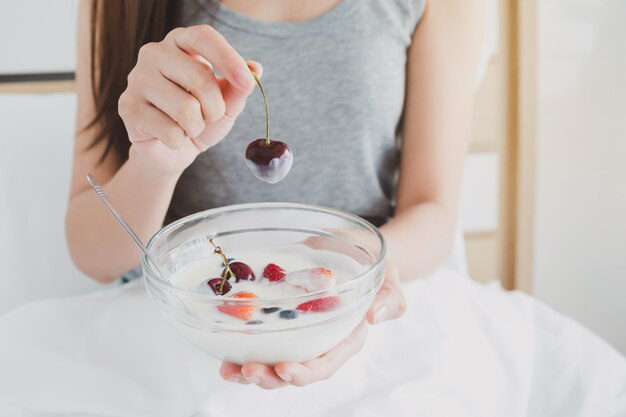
(98,189)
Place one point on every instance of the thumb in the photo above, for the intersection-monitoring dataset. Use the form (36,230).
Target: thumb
(235,98)
(389,302)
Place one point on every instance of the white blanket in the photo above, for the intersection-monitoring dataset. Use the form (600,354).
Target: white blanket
(462,349)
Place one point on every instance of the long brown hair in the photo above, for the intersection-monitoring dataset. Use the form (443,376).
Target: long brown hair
(119,28)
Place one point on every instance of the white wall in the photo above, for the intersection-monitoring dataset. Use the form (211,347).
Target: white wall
(581,173)
(37,36)
(36,135)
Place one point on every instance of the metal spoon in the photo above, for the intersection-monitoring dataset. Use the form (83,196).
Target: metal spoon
(98,189)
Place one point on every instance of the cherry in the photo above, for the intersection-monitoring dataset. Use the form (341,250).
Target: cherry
(269,160)
(220,287)
(240,270)
(216,286)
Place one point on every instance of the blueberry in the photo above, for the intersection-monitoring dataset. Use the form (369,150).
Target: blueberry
(254,322)
(288,314)
(270,310)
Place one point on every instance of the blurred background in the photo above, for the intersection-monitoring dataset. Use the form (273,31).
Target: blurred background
(544,195)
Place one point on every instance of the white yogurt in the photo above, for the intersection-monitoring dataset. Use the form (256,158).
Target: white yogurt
(267,338)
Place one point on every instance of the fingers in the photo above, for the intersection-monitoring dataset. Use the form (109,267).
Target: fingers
(205,41)
(171,99)
(298,374)
(143,122)
(256,67)
(234,98)
(339,245)
(234,101)
(389,303)
(321,368)
(251,373)
(196,77)
(232,372)
(262,375)
(175,78)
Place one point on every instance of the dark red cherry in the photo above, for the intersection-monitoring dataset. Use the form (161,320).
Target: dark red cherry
(271,162)
(216,285)
(241,271)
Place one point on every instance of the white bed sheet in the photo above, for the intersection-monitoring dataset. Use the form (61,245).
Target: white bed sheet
(462,349)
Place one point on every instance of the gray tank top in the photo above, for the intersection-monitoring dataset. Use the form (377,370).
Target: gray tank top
(335,87)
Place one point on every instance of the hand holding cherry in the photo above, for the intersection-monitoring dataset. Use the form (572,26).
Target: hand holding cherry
(269,160)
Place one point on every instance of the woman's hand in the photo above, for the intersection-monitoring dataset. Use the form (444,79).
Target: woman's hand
(388,304)
(175,106)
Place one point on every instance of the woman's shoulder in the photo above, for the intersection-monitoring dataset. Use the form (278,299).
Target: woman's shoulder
(405,9)
(403,14)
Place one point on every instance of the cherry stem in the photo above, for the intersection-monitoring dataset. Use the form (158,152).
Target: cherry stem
(218,250)
(267,111)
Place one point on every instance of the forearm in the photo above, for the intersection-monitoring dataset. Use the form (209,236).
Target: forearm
(98,245)
(419,239)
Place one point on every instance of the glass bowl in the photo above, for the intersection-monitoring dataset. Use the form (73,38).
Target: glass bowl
(325,235)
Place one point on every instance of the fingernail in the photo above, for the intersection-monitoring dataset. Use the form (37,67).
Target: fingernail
(253,380)
(244,77)
(285,377)
(381,314)
(234,379)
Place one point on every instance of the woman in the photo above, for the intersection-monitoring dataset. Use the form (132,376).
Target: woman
(348,81)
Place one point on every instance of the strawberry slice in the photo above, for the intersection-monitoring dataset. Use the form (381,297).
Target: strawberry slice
(321,304)
(243,312)
(312,279)
(274,273)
